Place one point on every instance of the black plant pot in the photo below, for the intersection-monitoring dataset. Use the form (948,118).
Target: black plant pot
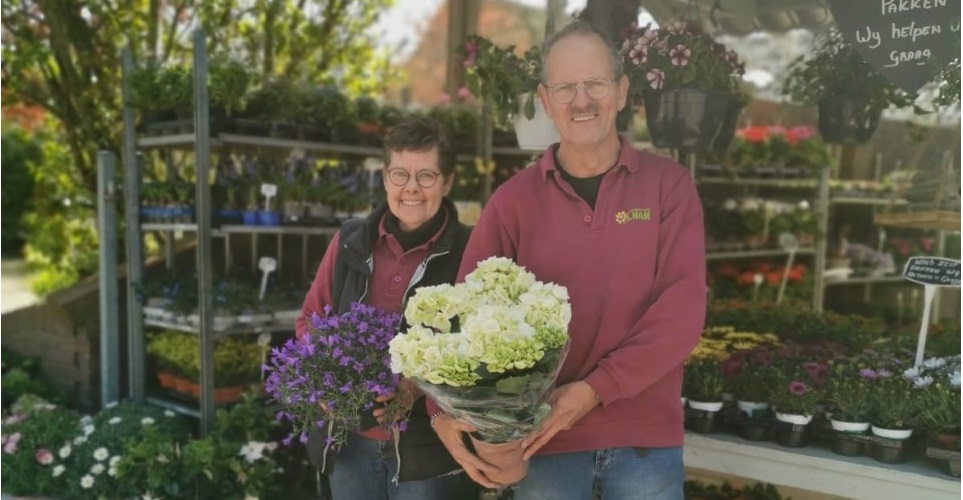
(754,430)
(890,451)
(791,436)
(843,121)
(704,422)
(848,445)
(727,130)
(685,119)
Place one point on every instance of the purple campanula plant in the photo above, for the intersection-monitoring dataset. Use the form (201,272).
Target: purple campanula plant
(330,377)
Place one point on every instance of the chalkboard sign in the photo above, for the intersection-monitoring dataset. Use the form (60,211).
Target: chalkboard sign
(935,271)
(899,37)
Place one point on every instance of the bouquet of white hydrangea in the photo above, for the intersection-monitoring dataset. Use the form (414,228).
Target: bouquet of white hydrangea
(487,350)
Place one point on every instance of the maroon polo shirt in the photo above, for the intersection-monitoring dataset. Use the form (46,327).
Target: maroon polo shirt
(635,271)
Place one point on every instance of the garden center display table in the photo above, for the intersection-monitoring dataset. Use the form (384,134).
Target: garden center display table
(817,469)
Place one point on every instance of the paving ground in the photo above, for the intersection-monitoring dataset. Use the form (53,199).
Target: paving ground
(14,286)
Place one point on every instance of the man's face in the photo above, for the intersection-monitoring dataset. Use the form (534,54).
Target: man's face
(582,60)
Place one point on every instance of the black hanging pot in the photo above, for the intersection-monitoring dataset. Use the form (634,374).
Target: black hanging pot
(685,119)
(844,121)
(727,130)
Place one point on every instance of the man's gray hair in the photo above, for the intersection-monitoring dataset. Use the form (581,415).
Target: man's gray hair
(579,27)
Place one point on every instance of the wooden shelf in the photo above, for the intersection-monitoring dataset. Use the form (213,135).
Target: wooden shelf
(941,220)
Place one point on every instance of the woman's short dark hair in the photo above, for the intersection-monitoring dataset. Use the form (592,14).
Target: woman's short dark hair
(420,133)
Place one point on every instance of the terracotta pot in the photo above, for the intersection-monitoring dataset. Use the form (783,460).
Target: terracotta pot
(166,380)
(506,456)
(228,394)
(947,441)
(182,385)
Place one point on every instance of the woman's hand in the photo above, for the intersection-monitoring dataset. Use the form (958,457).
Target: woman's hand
(406,395)
(451,433)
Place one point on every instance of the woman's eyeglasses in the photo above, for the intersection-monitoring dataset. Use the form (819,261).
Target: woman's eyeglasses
(596,88)
(400,177)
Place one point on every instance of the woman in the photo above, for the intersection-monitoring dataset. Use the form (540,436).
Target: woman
(414,240)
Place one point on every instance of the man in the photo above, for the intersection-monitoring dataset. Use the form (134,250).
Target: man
(623,231)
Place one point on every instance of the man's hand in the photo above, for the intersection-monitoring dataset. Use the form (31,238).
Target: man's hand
(450,432)
(406,394)
(570,403)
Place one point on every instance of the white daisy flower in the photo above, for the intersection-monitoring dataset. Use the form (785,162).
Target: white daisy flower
(146,421)
(114,421)
(923,382)
(97,469)
(101,454)
(168,413)
(65,451)
(955,379)
(114,460)
(112,472)
(80,440)
(58,470)
(911,373)
(87,482)
(89,429)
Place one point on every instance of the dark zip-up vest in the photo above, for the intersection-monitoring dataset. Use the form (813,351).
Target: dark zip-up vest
(352,266)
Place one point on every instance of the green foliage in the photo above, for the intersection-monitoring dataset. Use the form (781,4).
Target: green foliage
(64,57)
(850,395)
(31,440)
(759,491)
(500,77)
(702,380)
(837,71)
(19,150)
(236,360)
(229,82)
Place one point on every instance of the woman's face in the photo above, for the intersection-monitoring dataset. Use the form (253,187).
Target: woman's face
(412,203)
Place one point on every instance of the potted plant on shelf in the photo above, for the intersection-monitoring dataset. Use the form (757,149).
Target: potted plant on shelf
(850,94)
(229,83)
(936,387)
(894,413)
(507,83)
(794,399)
(686,80)
(703,386)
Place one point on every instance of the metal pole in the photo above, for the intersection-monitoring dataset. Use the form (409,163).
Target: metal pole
(133,166)
(822,238)
(202,200)
(109,320)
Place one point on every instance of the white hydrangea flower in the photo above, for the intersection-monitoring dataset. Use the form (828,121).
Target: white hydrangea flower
(58,470)
(101,454)
(97,469)
(87,482)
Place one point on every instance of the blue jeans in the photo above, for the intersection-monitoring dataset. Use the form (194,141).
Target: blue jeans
(364,469)
(609,474)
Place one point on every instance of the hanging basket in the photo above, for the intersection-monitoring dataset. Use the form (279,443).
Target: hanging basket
(843,121)
(727,130)
(538,133)
(685,119)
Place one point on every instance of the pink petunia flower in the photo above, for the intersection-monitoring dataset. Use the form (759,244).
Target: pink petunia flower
(680,55)
(10,447)
(43,456)
(655,78)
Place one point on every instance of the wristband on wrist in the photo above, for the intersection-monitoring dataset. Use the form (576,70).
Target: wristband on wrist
(431,421)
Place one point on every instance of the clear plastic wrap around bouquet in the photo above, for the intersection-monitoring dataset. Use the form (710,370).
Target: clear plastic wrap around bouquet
(488,350)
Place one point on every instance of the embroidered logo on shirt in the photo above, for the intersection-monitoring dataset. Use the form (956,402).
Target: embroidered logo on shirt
(624,217)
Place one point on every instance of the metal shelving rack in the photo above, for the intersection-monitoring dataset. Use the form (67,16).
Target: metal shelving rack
(202,143)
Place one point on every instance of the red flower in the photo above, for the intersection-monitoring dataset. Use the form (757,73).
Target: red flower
(754,134)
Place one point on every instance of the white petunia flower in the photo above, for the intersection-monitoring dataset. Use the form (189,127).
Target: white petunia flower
(87,482)
(97,469)
(101,454)
(58,470)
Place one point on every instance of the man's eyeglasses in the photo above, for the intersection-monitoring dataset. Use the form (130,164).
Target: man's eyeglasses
(596,88)
(400,177)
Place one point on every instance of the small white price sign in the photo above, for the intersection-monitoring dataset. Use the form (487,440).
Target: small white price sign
(269,189)
(267,266)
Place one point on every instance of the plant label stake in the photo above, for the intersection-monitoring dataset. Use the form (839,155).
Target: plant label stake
(756,282)
(788,243)
(264,342)
(269,191)
(931,272)
(267,266)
